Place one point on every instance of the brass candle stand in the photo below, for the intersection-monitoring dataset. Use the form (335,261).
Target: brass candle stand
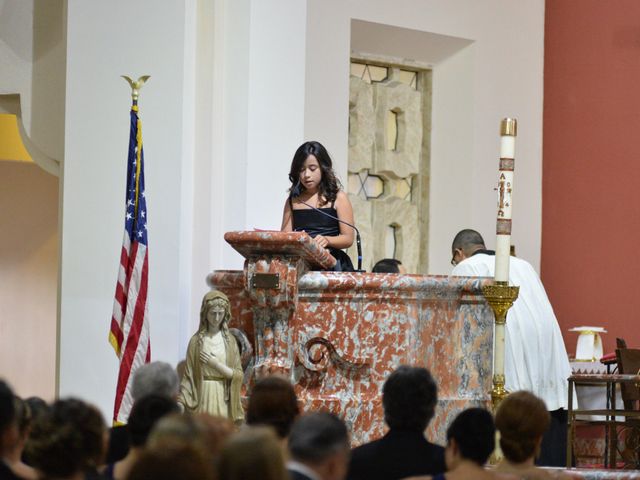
(500,297)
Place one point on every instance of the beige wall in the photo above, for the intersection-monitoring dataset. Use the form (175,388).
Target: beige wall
(28,278)
(498,74)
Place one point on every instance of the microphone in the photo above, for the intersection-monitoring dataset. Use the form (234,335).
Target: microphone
(295,191)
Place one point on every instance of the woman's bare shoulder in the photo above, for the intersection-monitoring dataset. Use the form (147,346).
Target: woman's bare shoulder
(342,199)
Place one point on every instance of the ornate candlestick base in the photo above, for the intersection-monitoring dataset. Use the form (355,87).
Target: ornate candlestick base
(498,392)
(500,297)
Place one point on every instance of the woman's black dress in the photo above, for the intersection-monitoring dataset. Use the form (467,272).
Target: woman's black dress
(315,223)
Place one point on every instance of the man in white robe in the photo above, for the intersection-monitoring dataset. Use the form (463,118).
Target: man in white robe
(535,356)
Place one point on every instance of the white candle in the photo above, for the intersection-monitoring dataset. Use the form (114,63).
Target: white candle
(508,132)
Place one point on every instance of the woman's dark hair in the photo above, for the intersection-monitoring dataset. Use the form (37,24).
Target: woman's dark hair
(522,418)
(273,402)
(329,185)
(145,414)
(474,433)
(67,439)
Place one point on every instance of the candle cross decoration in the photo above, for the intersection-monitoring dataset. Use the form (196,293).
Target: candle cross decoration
(500,296)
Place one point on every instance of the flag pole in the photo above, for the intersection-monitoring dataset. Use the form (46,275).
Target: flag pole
(129,332)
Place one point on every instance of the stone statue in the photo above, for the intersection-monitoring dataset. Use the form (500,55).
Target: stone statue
(213,373)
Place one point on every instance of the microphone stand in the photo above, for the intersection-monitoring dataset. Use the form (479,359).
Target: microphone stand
(358,242)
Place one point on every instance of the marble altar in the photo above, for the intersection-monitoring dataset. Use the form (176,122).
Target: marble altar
(337,336)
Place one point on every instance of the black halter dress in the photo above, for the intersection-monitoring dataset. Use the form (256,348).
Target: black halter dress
(315,223)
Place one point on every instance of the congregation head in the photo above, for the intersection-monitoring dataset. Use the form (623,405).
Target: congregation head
(321,440)
(145,413)
(387,265)
(7,415)
(252,453)
(176,429)
(68,439)
(471,436)
(23,417)
(185,462)
(409,398)
(273,402)
(522,418)
(155,378)
(37,406)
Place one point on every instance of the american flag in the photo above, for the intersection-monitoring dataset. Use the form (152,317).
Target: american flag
(129,334)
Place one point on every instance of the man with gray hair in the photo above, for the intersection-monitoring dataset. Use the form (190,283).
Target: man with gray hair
(319,448)
(155,378)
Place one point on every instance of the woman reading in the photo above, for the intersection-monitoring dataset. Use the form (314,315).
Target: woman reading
(316,201)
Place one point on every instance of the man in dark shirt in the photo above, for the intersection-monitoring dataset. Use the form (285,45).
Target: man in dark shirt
(409,398)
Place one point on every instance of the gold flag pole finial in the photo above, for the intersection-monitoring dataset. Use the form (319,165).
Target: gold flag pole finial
(136,86)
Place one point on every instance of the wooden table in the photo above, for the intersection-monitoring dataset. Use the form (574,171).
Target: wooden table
(608,381)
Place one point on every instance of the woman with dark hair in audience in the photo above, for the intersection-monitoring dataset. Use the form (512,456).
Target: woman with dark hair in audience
(522,419)
(144,415)
(252,454)
(68,442)
(13,455)
(470,442)
(273,402)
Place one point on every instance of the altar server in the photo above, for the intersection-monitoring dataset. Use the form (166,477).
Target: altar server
(535,356)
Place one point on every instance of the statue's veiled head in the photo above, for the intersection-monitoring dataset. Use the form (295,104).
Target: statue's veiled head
(215,308)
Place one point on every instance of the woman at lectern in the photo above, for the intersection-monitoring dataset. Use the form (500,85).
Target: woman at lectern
(318,205)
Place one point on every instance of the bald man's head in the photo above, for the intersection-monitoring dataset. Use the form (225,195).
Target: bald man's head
(468,241)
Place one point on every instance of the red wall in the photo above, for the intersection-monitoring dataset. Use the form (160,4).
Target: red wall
(591,166)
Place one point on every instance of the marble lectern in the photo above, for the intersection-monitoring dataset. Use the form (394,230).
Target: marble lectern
(338,336)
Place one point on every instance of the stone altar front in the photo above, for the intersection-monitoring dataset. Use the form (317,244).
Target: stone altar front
(338,336)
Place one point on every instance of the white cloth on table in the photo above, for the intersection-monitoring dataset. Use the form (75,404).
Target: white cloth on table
(535,356)
(594,397)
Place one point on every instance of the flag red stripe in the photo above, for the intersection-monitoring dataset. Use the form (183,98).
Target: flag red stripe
(133,338)
(124,256)
(126,357)
(117,332)
(120,299)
